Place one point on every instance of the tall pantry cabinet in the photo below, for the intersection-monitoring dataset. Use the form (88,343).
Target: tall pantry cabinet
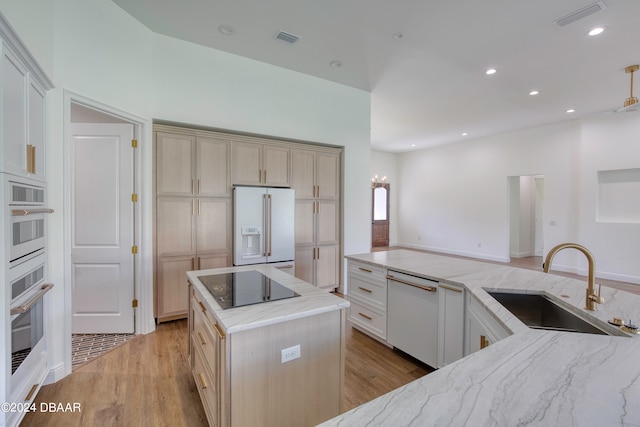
(316,179)
(193,214)
(195,171)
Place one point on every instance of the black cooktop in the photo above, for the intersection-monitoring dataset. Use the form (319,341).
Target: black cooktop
(244,288)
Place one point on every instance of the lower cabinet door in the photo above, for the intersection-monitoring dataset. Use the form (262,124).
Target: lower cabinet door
(172,290)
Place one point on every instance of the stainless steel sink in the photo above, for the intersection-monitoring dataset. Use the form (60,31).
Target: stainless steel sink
(539,312)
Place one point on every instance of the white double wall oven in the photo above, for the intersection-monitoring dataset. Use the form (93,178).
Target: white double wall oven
(26,215)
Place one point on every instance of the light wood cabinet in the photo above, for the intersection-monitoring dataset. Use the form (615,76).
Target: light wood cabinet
(315,174)
(195,174)
(316,181)
(260,164)
(242,380)
(23,119)
(193,214)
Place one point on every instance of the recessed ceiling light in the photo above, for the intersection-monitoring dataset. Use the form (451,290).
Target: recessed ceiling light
(226,30)
(464,134)
(398,36)
(413,145)
(335,64)
(571,110)
(534,92)
(596,31)
(491,71)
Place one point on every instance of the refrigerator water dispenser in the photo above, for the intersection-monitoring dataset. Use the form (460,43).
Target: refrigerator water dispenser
(251,242)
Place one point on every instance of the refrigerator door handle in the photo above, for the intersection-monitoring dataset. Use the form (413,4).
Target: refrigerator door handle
(269,213)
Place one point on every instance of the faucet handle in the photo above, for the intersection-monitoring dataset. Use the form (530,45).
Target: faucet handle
(597,298)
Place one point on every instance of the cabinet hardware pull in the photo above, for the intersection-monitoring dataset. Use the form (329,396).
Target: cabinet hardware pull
(25,212)
(265,176)
(193,263)
(365,269)
(365,289)
(191,185)
(219,330)
(198,186)
(193,207)
(24,308)
(450,288)
(484,342)
(365,316)
(404,282)
(284,267)
(203,383)
(199,203)
(198,263)
(202,340)
(30,394)
(202,306)
(318,191)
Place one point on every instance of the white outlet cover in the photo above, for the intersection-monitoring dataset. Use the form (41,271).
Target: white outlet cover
(289,354)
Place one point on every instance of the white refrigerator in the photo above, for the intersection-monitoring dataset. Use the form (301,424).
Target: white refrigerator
(263,226)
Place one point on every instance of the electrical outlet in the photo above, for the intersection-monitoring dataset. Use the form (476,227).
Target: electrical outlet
(289,354)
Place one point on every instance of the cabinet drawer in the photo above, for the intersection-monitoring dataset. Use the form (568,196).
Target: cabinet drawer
(368,319)
(204,383)
(203,335)
(367,291)
(368,272)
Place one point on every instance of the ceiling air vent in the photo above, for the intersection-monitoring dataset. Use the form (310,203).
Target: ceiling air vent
(287,37)
(580,13)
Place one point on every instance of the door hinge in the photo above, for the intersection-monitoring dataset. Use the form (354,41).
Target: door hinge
(134,143)
(134,197)
(134,249)
(134,303)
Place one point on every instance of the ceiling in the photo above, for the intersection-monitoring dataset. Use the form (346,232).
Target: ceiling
(428,83)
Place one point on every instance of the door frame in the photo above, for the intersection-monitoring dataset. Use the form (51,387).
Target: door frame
(375,222)
(143,230)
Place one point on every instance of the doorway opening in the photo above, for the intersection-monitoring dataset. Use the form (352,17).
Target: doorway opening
(379,214)
(526,201)
(102,182)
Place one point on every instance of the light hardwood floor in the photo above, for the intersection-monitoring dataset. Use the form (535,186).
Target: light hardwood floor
(147,382)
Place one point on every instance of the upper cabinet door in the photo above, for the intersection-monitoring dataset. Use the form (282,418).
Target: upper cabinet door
(246,163)
(275,163)
(36,138)
(303,173)
(327,175)
(257,164)
(212,166)
(14,114)
(175,165)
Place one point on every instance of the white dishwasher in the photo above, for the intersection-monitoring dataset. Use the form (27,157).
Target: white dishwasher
(412,316)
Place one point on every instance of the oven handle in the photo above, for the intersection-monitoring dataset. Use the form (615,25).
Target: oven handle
(24,212)
(24,308)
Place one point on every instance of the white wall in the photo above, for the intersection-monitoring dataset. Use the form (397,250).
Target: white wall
(455,198)
(94,49)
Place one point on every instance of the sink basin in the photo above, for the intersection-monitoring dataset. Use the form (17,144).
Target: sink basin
(539,312)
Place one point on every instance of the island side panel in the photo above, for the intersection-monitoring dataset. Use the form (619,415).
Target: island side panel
(301,392)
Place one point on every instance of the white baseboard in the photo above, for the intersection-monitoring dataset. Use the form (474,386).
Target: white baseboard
(55,374)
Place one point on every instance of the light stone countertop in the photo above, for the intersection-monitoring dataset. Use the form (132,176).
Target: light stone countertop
(532,377)
(311,301)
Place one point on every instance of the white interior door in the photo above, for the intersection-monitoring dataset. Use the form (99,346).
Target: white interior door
(102,228)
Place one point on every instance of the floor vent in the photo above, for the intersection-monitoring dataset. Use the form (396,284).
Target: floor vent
(287,37)
(580,13)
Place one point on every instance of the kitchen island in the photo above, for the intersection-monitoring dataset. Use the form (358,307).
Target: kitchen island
(279,362)
(531,377)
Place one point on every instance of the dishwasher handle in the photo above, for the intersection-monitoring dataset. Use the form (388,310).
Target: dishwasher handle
(404,282)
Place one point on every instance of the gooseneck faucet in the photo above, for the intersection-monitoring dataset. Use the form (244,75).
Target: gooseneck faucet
(592,298)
